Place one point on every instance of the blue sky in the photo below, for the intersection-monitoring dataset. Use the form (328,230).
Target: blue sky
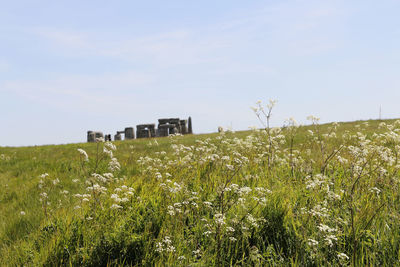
(71,66)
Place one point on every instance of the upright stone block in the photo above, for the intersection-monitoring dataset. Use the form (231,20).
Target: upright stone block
(129,133)
(190,130)
(183,124)
(98,135)
(145,130)
(91,137)
(163,130)
(117,137)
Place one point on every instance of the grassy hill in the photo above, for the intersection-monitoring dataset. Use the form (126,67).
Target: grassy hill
(307,196)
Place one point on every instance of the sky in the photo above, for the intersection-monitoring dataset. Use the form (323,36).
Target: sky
(67,67)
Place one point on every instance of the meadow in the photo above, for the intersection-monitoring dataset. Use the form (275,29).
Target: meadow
(289,196)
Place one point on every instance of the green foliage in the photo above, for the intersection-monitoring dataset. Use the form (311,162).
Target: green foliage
(304,196)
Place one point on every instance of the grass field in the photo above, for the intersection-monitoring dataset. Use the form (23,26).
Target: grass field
(304,196)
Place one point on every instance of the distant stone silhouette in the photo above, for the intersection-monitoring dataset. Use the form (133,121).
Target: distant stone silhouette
(129,133)
(166,127)
(92,135)
(190,130)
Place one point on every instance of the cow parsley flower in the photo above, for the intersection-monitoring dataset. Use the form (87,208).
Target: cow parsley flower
(110,145)
(116,206)
(375,190)
(84,154)
(219,219)
(312,242)
(329,239)
(230,229)
(44,175)
(230,167)
(343,256)
(114,165)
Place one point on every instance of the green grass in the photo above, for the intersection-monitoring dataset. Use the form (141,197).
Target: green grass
(270,198)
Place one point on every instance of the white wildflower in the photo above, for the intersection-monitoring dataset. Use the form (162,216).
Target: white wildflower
(343,256)
(44,175)
(244,190)
(375,190)
(230,229)
(114,165)
(110,145)
(181,258)
(207,233)
(116,206)
(108,152)
(84,154)
(219,218)
(312,242)
(196,252)
(171,210)
(208,204)
(329,239)
(108,175)
(325,228)
(230,167)
(124,200)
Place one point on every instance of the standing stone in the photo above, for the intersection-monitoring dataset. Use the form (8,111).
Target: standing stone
(163,130)
(163,121)
(117,137)
(98,135)
(91,137)
(177,124)
(152,130)
(129,133)
(183,124)
(190,130)
(145,130)
(148,133)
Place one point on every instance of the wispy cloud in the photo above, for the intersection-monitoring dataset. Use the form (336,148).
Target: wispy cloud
(220,48)
(166,49)
(296,28)
(4,66)
(89,93)
(65,39)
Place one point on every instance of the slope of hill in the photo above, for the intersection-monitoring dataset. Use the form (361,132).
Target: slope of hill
(314,195)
